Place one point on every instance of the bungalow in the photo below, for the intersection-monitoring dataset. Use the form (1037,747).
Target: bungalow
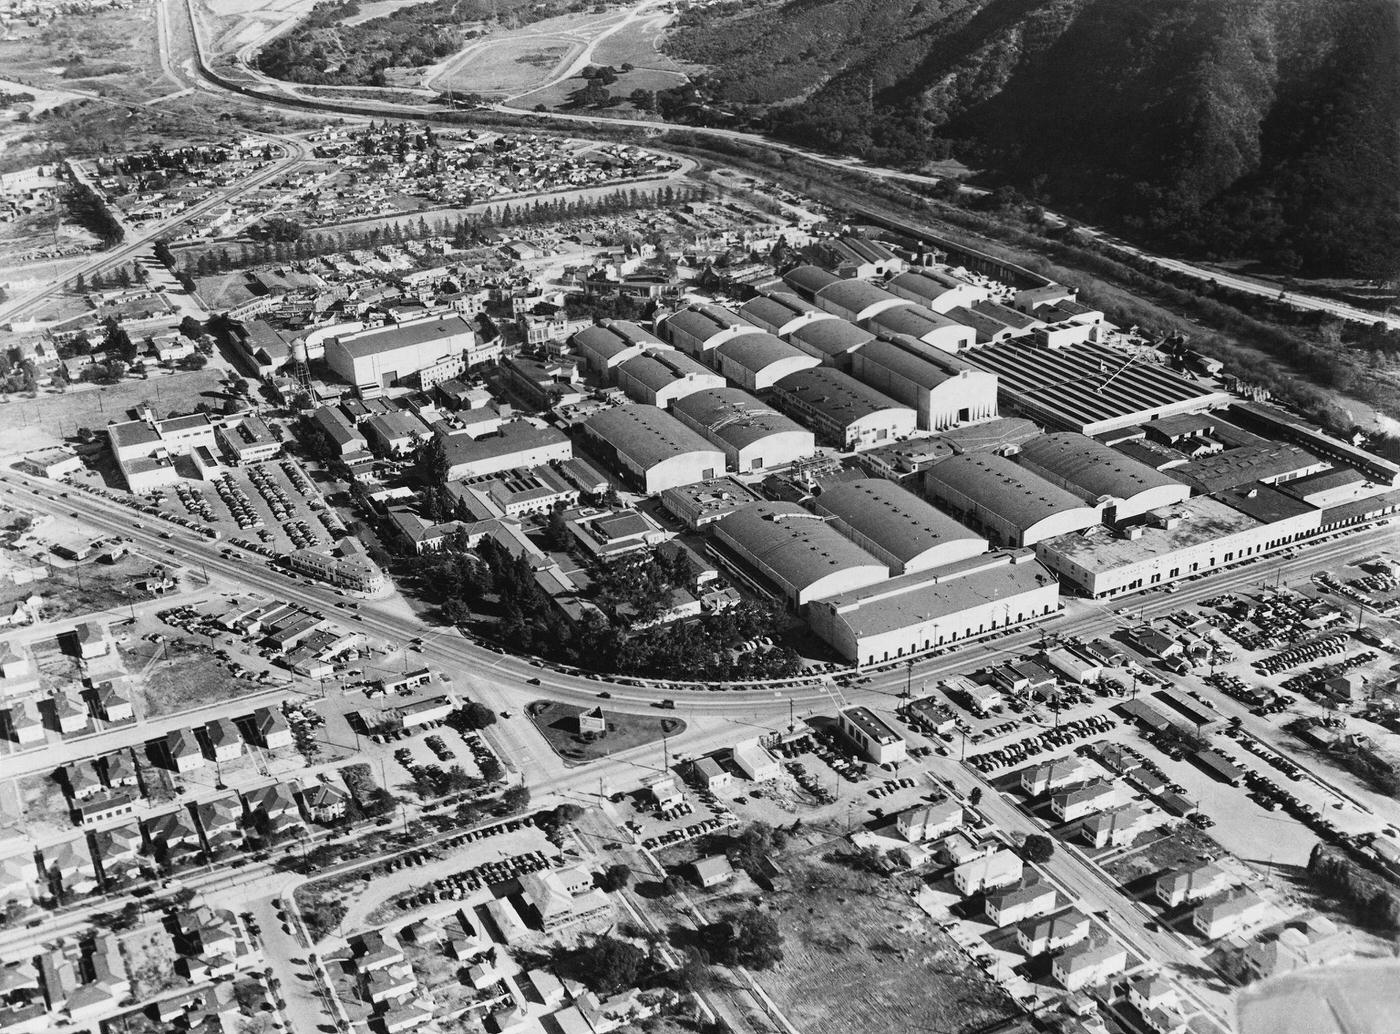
(1153,995)
(999,869)
(1022,902)
(17,878)
(272,809)
(1117,826)
(377,949)
(711,870)
(71,714)
(390,984)
(221,819)
(82,780)
(1082,800)
(1051,933)
(208,933)
(94,640)
(112,704)
(73,868)
(273,730)
(25,723)
(120,768)
(118,854)
(171,836)
(1194,884)
(325,804)
(1089,963)
(224,740)
(1049,776)
(182,751)
(1230,914)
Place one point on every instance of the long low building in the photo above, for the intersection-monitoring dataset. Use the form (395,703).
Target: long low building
(918,612)
(800,553)
(941,397)
(843,411)
(612,343)
(1009,503)
(753,435)
(833,341)
(654,449)
(700,328)
(936,290)
(897,526)
(426,351)
(518,444)
(1101,476)
(1202,534)
(781,312)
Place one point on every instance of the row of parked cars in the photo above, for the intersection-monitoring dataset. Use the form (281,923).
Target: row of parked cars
(690,832)
(1017,753)
(1327,646)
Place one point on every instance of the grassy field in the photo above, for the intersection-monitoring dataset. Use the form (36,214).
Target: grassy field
(109,52)
(509,66)
(859,955)
(44,807)
(30,424)
(559,724)
(87,588)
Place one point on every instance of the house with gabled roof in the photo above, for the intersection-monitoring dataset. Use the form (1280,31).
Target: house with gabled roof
(273,731)
(182,751)
(70,713)
(117,851)
(1082,800)
(221,819)
(325,803)
(224,739)
(272,809)
(112,704)
(1051,933)
(171,837)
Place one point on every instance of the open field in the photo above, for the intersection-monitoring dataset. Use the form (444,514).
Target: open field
(509,65)
(109,52)
(859,955)
(1367,993)
(150,961)
(35,423)
(43,807)
(559,725)
(86,588)
(185,676)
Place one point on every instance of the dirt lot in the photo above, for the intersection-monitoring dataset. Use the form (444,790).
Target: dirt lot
(1186,846)
(86,588)
(185,676)
(44,807)
(150,961)
(860,956)
(559,724)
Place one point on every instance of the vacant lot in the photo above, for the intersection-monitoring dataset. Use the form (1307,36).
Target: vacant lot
(43,805)
(859,955)
(559,724)
(87,588)
(185,675)
(150,962)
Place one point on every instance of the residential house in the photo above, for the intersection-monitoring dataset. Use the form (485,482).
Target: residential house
(1117,827)
(224,740)
(82,781)
(117,851)
(1082,800)
(70,713)
(929,821)
(14,664)
(376,949)
(272,809)
(999,869)
(1229,914)
(711,870)
(1089,962)
(1030,898)
(273,731)
(558,908)
(222,821)
(1051,933)
(1049,776)
(103,807)
(182,751)
(1192,884)
(1303,943)
(171,837)
(325,803)
(93,639)
(112,704)
(25,723)
(71,867)
(120,769)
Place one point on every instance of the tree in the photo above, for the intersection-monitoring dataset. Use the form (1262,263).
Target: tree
(974,796)
(606,966)
(750,939)
(492,770)
(672,885)
(516,799)
(615,877)
(474,715)
(1037,848)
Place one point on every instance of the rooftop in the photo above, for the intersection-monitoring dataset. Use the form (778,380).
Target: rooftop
(835,395)
(734,417)
(899,521)
(1203,520)
(1002,487)
(645,435)
(362,343)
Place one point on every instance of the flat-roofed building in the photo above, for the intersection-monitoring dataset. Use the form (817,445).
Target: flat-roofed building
(1200,535)
(873,737)
(923,325)
(700,328)
(658,377)
(801,554)
(752,434)
(843,411)
(781,312)
(338,430)
(516,445)
(833,341)
(923,611)
(653,448)
(897,526)
(1011,504)
(758,361)
(1101,476)
(611,343)
(941,396)
(936,290)
(438,348)
(705,502)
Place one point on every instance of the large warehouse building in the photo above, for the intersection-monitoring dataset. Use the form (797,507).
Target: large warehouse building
(756,362)
(660,376)
(781,312)
(842,410)
(1100,476)
(896,526)
(940,396)
(1086,387)
(1010,504)
(856,300)
(801,554)
(832,341)
(654,449)
(429,350)
(936,290)
(754,436)
(700,328)
(611,343)
(925,325)
(919,612)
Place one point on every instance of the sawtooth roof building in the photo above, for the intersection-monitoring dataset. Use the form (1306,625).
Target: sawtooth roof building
(781,312)
(1089,388)
(701,327)
(758,361)
(658,377)
(1101,476)
(842,410)
(654,449)
(922,611)
(752,434)
(941,395)
(1010,504)
(798,552)
(897,526)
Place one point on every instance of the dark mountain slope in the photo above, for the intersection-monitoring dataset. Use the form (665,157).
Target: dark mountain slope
(1267,128)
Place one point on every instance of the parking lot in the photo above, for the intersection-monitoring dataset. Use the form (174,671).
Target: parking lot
(273,504)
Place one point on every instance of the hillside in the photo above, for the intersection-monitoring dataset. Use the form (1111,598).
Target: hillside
(1265,129)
